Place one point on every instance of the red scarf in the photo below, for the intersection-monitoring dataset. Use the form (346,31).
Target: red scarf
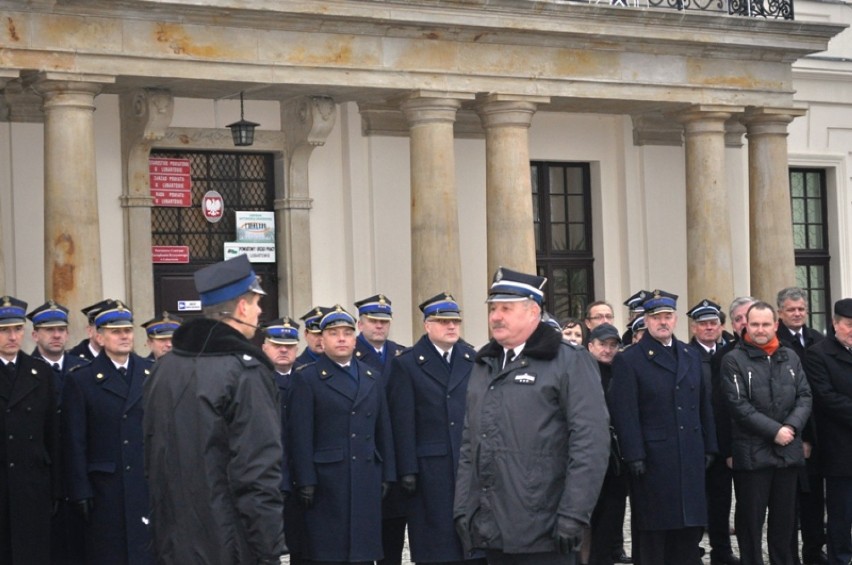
(770,348)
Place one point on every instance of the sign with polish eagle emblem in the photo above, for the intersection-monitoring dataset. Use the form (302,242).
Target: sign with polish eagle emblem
(212,206)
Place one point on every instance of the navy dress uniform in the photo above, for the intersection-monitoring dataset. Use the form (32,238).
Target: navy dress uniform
(159,329)
(66,539)
(379,307)
(342,449)
(102,419)
(285,331)
(662,414)
(634,306)
(311,320)
(426,398)
(29,448)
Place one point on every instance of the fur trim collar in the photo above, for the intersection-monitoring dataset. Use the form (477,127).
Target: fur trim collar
(207,337)
(542,344)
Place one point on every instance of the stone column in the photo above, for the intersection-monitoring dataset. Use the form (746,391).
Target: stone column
(5,76)
(71,228)
(708,227)
(508,188)
(772,258)
(145,117)
(307,121)
(435,255)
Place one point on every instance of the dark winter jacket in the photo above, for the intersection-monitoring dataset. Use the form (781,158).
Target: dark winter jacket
(535,445)
(213,450)
(763,393)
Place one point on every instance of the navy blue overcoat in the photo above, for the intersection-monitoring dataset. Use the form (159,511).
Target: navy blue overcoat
(341,443)
(103,449)
(426,398)
(662,414)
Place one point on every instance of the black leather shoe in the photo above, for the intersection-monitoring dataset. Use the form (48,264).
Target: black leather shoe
(729,559)
(621,557)
(819,559)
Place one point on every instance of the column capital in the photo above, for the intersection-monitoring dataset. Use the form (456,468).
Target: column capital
(49,83)
(769,121)
(427,106)
(706,118)
(504,110)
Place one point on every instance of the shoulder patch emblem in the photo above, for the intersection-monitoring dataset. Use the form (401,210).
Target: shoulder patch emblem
(246,357)
(525,379)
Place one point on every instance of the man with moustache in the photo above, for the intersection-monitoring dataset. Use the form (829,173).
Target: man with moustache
(213,450)
(769,401)
(103,447)
(829,371)
(342,448)
(664,421)
(281,344)
(29,444)
(535,444)
(313,337)
(426,396)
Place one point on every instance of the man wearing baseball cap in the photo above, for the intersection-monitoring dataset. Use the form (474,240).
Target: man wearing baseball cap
(534,401)
(213,431)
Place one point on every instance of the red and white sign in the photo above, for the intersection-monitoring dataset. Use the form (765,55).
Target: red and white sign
(212,206)
(171,182)
(170,253)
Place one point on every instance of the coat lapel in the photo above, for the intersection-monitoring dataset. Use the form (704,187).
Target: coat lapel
(460,367)
(334,377)
(366,382)
(108,376)
(26,380)
(655,352)
(139,371)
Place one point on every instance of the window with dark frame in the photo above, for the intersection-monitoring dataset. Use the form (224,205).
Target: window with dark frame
(562,211)
(810,241)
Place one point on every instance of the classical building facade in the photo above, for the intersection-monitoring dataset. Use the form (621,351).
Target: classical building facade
(397,141)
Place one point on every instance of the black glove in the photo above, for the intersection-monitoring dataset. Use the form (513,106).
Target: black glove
(463,533)
(708,460)
(84,507)
(568,536)
(408,484)
(306,495)
(636,468)
(385,489)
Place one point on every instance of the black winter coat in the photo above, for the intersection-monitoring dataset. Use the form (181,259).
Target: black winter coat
(764,393)
(213,450)
(535,444)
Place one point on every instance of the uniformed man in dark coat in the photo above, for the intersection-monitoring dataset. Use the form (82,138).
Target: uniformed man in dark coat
(160,330)
(793,332)
(373,347)
(88,348)
(29,444)
(829,371)
(535,444)
(102,440)
(706,326)
(664,422)
(342,448)
(427,389)
(313,339)
(281,344)
(213,450)
(50,333)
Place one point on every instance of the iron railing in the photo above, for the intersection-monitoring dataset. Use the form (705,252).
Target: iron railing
(775,9)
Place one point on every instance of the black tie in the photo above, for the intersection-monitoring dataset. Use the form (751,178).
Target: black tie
(123,372)
(712,351)
(510,355)
(446,357)
(56,367)
(798,336)
(11,368)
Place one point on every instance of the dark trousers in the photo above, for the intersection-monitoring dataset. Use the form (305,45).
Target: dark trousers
(500,558)
(719,484)
(838,502)
(672,547)
(393,540)
(607,521)
(811,510)
(774,489)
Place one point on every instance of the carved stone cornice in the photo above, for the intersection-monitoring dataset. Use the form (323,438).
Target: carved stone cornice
(293,203)
(653,128)
(208,138)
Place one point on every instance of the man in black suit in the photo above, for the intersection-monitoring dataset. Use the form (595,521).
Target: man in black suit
(29,450)
(793,332)
(829,371)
